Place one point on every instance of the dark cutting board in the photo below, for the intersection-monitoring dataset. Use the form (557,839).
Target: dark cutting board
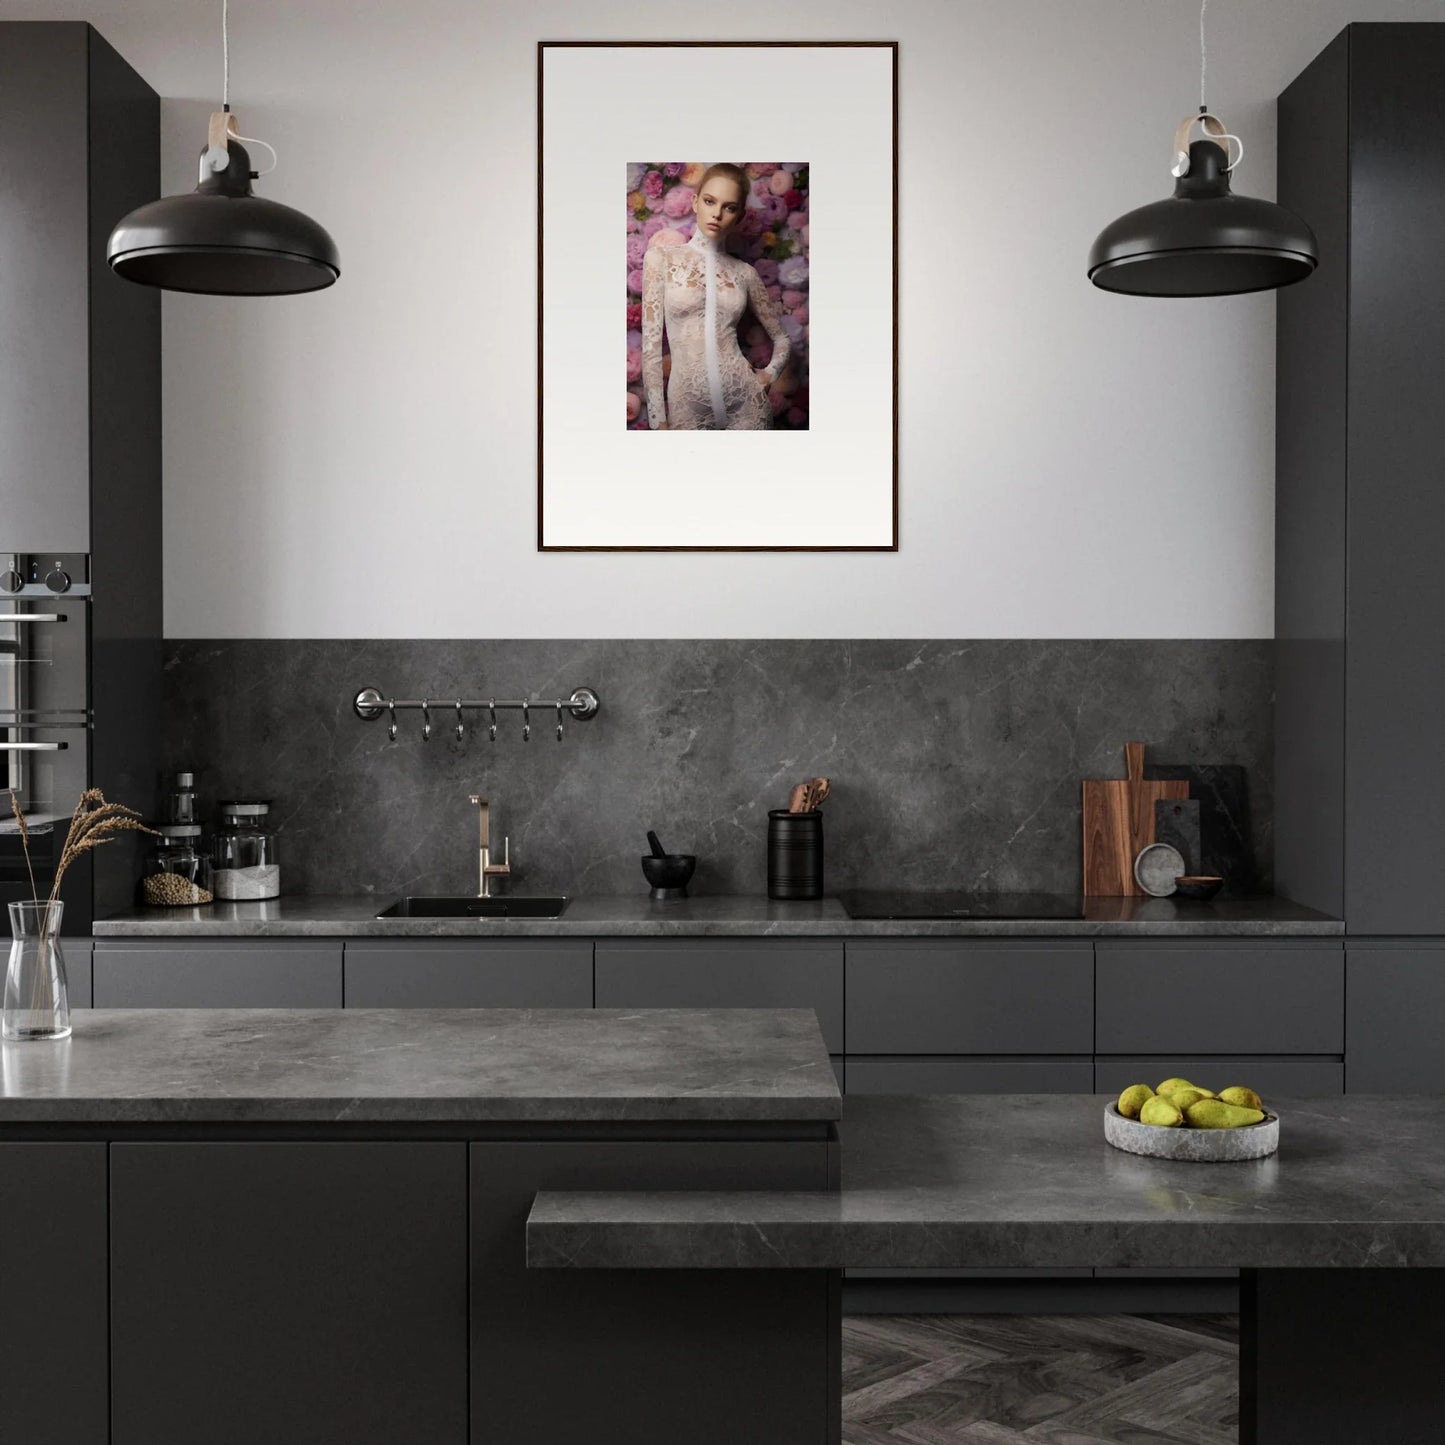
(1176,822)
(1226,839)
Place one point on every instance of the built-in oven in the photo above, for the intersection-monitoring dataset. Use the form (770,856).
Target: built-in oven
(45,722)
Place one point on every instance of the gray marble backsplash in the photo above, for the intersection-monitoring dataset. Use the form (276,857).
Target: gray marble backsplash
(953,764)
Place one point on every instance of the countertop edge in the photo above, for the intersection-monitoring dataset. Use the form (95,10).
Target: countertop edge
(820,1231)
(720,916)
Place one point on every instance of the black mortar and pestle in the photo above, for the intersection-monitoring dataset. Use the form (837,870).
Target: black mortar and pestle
(667,872)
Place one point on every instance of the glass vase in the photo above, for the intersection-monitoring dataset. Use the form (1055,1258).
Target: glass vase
(37,1002)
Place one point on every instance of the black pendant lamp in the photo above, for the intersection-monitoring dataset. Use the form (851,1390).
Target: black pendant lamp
(222,239)
(1203,240)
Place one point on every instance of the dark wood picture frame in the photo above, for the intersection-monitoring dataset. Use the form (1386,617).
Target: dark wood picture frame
(542,47)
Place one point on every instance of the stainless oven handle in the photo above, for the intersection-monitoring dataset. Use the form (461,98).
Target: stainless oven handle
(33,617)
(33,747)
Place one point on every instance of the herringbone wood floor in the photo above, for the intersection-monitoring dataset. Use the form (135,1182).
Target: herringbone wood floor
(1040,1380)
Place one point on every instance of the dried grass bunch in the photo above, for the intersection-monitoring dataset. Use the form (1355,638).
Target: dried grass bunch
(93,822)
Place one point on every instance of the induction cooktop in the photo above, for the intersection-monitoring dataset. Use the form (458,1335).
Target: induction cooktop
(890,903)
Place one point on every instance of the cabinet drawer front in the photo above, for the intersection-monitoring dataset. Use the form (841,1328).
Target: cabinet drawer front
(1288,1078)
(970,1076)
(1220,999)
(192,975)
(1396,1012)
(288,1292)
(53,1255)
(524,974)
(946,998)
(716,973)
(77,970)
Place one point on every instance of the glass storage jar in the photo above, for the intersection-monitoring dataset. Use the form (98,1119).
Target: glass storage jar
(243,852)
(178,870)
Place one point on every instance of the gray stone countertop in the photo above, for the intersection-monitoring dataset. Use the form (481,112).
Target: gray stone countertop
(433,1066)
(637,916)
(1027,1181)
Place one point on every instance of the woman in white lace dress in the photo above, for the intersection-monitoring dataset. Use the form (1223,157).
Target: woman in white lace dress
(698,293)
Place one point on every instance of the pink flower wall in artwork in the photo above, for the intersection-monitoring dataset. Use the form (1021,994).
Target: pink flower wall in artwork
(772,235)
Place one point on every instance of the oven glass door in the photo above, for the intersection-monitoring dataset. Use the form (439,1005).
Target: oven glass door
(44,733)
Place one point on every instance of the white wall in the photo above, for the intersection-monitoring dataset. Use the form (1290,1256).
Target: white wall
(362,462)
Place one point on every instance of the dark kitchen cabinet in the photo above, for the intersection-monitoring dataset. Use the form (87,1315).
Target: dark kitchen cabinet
(53,1264)
(77,953)
(1360,510)
(45,287)
(970,1076)
(725,973)
(1162,996)
(206,973)
(952,996)
(80,387)
(1274,1076)
(458,973)
(80,402)
(770,1326)
(297,1293)
(1395,1017)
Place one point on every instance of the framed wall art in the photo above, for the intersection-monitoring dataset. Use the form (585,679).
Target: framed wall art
(756,298)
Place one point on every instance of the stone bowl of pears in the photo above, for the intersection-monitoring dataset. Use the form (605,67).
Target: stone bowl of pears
(1180,1120)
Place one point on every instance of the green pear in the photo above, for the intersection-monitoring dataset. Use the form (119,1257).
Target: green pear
(1243,1097)
(1160,1111)
(1133,1099)
(1183,1098)
(1215,1114)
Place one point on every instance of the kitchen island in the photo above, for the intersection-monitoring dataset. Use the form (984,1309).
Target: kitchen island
(309,1225)
(1341,1235)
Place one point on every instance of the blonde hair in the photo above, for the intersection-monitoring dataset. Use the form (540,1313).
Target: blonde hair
(732,172)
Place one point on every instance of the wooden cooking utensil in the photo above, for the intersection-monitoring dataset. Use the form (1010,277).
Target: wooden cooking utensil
(1118,822)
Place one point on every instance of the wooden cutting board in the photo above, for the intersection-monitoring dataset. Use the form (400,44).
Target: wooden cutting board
(1118,822)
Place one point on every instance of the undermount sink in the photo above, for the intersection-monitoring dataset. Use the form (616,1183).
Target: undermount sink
(473,907)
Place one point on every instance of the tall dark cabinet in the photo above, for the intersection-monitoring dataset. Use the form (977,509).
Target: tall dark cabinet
(1360,536)
(1360,552)
(80,434)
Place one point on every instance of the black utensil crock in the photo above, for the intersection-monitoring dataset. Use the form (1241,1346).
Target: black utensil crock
(795,854)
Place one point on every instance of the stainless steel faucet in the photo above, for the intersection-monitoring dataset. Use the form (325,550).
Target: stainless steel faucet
(487,869)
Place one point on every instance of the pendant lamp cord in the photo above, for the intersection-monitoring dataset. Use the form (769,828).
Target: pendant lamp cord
(226,93)
(1203,55)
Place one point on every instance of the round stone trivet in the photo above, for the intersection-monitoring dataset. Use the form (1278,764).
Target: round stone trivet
(1156,868)
(1198,1146)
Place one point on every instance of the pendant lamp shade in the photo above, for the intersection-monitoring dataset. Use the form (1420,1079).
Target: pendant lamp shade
(1203,240)
(224,240)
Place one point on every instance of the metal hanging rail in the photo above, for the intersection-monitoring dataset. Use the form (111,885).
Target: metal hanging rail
(370,703)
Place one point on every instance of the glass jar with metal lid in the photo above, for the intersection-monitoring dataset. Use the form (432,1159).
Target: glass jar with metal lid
(243,852)
(178,870)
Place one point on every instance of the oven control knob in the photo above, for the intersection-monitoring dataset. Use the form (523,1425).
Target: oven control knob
(58,580)
(11,581)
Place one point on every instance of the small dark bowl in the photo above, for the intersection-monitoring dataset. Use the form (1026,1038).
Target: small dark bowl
(669,874)
(1199,885)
